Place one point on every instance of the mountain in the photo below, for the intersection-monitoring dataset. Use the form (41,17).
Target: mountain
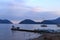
(5,22)
(28,21)
(55,21)
(48,22)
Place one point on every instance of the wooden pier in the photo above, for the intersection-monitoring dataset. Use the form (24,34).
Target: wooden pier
(34,31)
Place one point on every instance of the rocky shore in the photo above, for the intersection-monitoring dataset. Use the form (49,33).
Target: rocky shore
(48,36)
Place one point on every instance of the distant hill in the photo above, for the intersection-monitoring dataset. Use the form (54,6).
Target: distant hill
(48,22)
(28,21)
(5,22)
(55,21)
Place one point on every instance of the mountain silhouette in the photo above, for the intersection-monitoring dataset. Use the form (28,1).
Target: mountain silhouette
(5,22)
(29,21)
(48,22)
(55,21)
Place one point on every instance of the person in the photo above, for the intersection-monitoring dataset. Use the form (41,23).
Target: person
(13,26)
(18,28)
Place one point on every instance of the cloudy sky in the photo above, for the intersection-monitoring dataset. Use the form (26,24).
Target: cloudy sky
(29,9)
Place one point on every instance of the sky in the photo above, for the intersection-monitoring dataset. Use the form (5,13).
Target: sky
(29,9)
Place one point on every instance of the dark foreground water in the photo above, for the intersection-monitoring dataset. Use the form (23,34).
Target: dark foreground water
(7,34)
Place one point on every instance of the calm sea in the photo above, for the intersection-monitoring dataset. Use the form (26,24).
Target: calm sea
(7,34)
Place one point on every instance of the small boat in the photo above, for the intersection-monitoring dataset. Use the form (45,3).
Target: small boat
(43,25)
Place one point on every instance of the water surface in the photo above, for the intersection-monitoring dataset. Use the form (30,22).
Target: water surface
(7,34)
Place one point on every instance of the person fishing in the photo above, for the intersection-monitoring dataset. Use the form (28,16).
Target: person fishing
(13,26)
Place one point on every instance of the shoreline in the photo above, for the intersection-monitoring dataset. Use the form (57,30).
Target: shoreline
(48,36)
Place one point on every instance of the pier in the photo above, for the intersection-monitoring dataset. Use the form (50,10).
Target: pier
(34,31)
